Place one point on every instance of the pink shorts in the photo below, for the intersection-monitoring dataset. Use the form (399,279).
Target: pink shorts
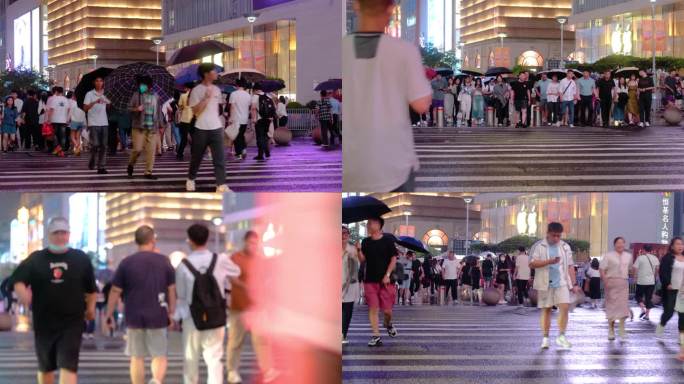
(380,295)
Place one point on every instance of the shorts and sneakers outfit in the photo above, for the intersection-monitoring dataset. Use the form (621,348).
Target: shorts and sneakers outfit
(646,266)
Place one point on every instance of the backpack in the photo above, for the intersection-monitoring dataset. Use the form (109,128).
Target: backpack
(208,307)
(267,109)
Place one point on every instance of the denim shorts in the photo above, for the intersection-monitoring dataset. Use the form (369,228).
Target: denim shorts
(77,126)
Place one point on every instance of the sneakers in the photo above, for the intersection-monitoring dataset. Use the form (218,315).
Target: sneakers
(562,342)
(345,341)
(641,124)
(190,185)
(647,124)
(642,315)
(611,335)
(572,126)
(129,171)
(375,341)
(545,343)
(234,377)
(622,334)
(391,331)
(660,330)
(222,189)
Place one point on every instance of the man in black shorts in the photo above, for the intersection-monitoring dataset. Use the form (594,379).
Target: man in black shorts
(64,294)
(488,271)
(416,268)
(521,100)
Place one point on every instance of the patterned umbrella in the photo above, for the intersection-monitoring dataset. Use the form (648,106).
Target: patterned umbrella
(123,82)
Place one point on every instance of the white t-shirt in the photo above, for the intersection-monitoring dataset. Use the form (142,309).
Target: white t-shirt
(522,265)
(591,273)
(677,272)
(209,119)
(19,104)
(60,109)
(77,114)
(242,101)
(646,266)
(97,115)
(379,151)
(569,94)
(551,92)
(450,268)
(281,110)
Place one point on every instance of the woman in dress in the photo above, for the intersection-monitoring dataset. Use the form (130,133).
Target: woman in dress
(449,99)
(620,97)
(671,278)
(350,282)
(614,269)
(455,89)
(594,281)
(9,124)
(501,94)
(503,268)
(478,103)
(475,277)
(632,102)
(465,99)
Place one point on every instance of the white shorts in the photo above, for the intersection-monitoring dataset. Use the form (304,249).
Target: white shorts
(552,297)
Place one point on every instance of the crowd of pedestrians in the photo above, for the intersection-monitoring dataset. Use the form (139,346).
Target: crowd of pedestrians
(200,297)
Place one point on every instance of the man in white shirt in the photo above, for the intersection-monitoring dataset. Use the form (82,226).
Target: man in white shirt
(569,94)
(554,279)
(388,78)
(522,274)
(206,343)
(646,268)
(450,275)
(204,101)
(58,115)
(240,102)
(553,102)
(95,104)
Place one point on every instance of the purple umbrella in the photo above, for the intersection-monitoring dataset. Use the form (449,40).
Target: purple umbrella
(123,82)
(330,85)
(271,85)
(190,75)
(198,51)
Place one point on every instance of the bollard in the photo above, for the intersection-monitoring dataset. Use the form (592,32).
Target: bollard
(440,116)
(533,118)
(490,117)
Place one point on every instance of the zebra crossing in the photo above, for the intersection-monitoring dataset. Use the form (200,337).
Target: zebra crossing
(300,167)
(104,362)
(497,345)
(544,159)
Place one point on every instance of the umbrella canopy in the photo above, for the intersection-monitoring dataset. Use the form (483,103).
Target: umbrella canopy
(430,73)
(251,75)
(493,71)
(469,259)
(86,84)
(271,85)
(560,73)
(198,51)
(471,73)
(123,82)
(329,85)
(627,72)
(445,72)
(411,244)
(227,88)
(360,208)
(190,75)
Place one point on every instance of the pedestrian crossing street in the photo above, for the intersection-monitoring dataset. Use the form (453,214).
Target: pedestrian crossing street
(544,159)
(497,345)
(300,167)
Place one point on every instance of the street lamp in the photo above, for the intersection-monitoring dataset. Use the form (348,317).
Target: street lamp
(217,221)
(407,214)
(251,19)
(655,76)
(94,57)
(562,20)
(157,41)
(501,37)
(468,200)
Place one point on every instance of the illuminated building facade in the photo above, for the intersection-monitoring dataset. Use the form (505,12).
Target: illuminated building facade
(608,27)
(532,34)
(170,214)
(24,43)
(298,41)
(116,31)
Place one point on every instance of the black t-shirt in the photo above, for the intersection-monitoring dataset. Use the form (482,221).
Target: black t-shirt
(30,109)
(520,89)
(605,88)
(59,283)
(645,82)
(487,267)
(415,266)
(671,83)
(378,255)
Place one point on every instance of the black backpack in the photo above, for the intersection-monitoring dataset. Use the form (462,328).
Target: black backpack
(267,109)
(208,307)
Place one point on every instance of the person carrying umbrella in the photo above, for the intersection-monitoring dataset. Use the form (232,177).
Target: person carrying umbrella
(146,122)
(95,105)
(208,133)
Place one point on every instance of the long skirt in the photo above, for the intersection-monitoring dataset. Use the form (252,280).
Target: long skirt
(595,288)
(617,294)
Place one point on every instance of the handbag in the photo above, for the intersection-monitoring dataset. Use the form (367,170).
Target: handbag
(232,130)
(47,130)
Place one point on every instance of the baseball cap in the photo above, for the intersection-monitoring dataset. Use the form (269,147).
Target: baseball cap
(58,224)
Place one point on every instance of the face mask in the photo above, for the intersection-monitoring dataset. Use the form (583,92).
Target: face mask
(143,88)
(57,248)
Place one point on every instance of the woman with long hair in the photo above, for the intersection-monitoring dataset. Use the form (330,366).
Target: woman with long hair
(632,100)
(503,269)
(350,281)
(466,283)
(614,269)
(478,103)
(594,281)
(671,272)
(9,124)
(620,97)
(465,99)
(501,94)
(449,99)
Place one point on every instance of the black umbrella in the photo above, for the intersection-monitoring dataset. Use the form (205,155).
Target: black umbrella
(271,85)
(469,259)
(250,75)
(627,72)
(86,84)
(411,244)
(471,73)
(198,51)
(123,82)
(445,72)
(329,85)
(493,71)
(360,208)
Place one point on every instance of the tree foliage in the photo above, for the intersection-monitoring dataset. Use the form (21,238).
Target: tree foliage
(512,244)
(619,61)
(433,57)
(22,78)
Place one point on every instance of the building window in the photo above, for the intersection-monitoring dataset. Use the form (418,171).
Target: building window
(531,59)
(436,238)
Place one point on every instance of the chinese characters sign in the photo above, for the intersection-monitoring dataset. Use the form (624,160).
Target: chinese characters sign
(665,230)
